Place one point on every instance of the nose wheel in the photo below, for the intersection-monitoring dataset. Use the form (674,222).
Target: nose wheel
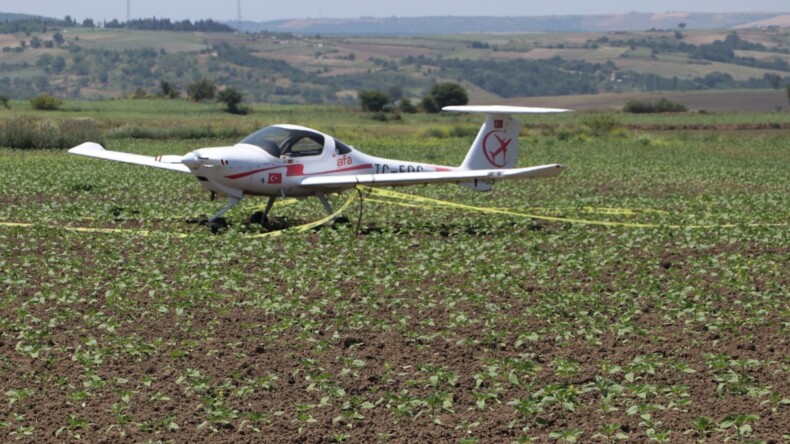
(218,223)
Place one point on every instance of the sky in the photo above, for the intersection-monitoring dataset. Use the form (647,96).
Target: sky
(259,10)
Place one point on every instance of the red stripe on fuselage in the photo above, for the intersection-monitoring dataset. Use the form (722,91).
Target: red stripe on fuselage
(296,170)
(250,173)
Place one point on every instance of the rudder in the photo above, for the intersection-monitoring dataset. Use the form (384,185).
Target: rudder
(496,144)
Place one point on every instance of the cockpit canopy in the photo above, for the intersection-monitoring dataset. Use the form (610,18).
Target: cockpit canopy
(286,141)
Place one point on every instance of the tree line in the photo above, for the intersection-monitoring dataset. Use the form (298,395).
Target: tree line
(165,24)
(719,51)
(42,24)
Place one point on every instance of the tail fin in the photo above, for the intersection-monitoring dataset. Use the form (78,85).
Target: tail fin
(496,145)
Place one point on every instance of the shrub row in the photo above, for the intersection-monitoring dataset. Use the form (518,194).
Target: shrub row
(175,132)
(661,105)
(34,133)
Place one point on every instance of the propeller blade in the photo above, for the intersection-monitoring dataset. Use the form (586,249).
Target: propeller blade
(197,159)
(207,161)
(168,158)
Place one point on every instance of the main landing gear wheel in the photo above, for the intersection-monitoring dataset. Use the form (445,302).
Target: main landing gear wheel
(218,224)
(259,218)
(341,220)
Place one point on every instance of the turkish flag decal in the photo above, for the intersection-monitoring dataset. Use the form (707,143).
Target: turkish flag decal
(275,178)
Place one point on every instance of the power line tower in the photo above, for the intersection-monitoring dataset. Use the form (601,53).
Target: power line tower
(128,11)
(238,15)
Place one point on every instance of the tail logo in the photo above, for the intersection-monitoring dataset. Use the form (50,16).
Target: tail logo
(495,148)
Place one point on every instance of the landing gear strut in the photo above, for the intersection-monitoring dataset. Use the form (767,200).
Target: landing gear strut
(328,208)
(217,222)
(325,202)
(262,217)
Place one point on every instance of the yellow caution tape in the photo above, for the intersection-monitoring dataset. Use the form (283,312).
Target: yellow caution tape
(390,197)
(409,199)
(94,230)
(311,225)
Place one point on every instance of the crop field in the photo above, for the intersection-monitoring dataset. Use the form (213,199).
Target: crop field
(643,296)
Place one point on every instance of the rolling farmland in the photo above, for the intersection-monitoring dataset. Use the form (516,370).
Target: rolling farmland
(640,297)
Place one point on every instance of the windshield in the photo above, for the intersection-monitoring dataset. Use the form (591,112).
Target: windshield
(270,139)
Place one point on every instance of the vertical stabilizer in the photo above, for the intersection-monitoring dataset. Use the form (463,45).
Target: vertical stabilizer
(496,145)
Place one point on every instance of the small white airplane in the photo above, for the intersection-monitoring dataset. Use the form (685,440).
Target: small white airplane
(294,161)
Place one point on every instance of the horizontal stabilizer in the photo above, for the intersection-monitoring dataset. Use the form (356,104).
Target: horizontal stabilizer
(501,109)
(168,162)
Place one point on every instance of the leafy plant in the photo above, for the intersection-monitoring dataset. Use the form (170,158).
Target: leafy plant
(45,102)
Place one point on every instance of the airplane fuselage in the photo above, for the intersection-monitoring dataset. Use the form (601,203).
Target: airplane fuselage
(248,170)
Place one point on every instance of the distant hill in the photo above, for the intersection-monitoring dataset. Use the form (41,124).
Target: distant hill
(11,17)
(633,21)
(318,67)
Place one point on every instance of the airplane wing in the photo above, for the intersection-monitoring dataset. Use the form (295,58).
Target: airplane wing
(91,149)
(425,178)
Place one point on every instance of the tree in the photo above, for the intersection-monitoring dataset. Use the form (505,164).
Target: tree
(58,65)
(168,90)
(202,90)
(787,92)
(44,62)
(58,38)
(395,93)
(449,94)
(429,105)
(774,79)
(231,98)
(405,106)
(372,100)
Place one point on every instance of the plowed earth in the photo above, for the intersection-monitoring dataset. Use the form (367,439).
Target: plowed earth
(374,348)
(432,325)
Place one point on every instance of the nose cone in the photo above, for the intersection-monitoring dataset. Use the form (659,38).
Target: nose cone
(191,160)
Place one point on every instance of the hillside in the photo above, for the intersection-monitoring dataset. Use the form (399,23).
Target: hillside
(12,17)
(634,21)
(285,67)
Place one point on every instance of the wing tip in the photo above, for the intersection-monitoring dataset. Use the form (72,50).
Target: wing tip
(86,148)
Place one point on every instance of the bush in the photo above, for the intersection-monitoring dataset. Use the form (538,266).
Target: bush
(462,131)
(4,101)
(139,94)
(661,105)
(600,125)
(45,102)
(405,106)
(449,94)
(372,100)
(202,90)
(429,105)
(168,91)
(31,133)
(232,98)
(176,132)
